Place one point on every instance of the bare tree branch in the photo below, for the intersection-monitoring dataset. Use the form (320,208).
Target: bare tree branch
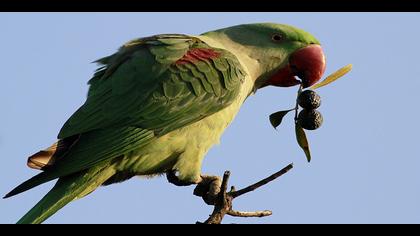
(249,213)
(222,204)
(224,200)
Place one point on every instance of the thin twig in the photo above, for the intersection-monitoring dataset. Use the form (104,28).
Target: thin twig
(261,182)
(297,102)
(225,181)
(249,213)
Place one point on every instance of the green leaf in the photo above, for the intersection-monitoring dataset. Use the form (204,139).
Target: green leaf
(302,141)
(333,77)
(276,118)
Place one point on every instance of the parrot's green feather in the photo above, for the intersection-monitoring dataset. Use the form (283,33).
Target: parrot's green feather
(66,190)
(90,149)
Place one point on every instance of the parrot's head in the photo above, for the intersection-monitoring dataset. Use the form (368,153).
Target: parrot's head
(285,55)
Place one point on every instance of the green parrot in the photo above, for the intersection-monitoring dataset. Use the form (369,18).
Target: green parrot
(159,103)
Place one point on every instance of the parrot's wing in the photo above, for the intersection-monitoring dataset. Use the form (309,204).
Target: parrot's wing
(161,84)
(149,88)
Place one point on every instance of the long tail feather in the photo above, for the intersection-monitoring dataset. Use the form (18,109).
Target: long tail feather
(67,189)
(38,179)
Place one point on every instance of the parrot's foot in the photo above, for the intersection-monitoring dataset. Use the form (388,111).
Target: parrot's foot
(208,188)
(173,179)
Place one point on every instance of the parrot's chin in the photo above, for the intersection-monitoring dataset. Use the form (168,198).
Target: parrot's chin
(308,64)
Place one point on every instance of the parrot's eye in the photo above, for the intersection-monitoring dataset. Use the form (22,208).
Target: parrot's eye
(277,37)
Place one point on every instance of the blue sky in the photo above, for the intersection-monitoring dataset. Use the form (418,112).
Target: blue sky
(365,166)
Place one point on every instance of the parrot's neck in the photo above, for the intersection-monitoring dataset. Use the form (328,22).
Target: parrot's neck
(220,40)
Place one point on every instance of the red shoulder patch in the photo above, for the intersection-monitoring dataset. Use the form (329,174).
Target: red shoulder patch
(197,54)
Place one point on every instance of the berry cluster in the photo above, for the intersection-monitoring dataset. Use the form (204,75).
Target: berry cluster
(309,118)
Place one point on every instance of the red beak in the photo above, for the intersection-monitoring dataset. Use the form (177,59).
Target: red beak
(307,63)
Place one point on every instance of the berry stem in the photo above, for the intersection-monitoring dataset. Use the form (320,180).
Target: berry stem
(297,105)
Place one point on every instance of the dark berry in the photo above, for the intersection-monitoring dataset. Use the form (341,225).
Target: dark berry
(310,119)
(308,99)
